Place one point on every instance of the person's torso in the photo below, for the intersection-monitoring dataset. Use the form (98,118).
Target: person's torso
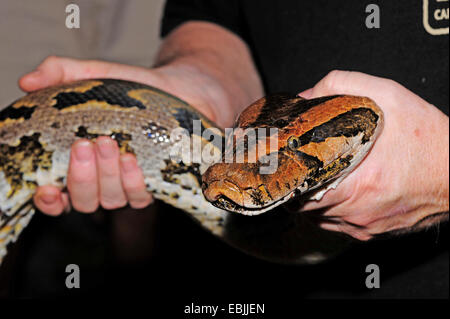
(296,43)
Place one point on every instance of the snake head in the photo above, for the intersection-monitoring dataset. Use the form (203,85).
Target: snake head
(239,187)
(318,141)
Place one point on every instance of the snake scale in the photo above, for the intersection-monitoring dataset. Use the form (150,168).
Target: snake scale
(319,142)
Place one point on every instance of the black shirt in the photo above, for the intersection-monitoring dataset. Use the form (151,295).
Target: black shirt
(294,45)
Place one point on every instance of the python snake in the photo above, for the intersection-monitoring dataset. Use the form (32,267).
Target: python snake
(319,142)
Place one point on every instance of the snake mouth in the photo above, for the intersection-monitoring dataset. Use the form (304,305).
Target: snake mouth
(223,202)
(227,195)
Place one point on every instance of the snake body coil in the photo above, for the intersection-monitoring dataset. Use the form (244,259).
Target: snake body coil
(320,141)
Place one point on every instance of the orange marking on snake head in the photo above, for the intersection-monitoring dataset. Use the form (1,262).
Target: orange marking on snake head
(240,186)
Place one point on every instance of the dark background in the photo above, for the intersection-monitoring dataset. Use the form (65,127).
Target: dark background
(184,263)
(190,264)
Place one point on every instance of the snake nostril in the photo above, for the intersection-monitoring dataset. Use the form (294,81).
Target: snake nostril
(211,191)
(222,189)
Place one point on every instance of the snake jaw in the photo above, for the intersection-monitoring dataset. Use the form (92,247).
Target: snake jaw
(227,195)
(225,203)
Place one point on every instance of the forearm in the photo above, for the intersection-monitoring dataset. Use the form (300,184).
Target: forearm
(428,171)
(439,173)
(214,61)
(444,176)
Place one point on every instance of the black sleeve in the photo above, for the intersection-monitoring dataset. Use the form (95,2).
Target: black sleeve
(225,13)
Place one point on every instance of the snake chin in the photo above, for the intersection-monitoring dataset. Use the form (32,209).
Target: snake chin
(228,195)
(223,202)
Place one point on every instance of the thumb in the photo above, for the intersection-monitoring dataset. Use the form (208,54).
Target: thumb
(56,70)
(351,83)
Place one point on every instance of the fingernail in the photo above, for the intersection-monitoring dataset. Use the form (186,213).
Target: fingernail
(48,198)
(128,164)
(83,151)
(306,94)
(106,148)
(34,73)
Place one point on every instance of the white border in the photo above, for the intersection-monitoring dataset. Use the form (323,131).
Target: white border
(426,23)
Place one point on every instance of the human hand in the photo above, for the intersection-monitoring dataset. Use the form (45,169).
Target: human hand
(98,174)
(402,184)
(202,63)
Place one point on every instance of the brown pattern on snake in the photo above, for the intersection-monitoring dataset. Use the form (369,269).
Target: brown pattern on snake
(36,133)
(328,133)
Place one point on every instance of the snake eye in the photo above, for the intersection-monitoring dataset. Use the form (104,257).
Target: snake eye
(293,143)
